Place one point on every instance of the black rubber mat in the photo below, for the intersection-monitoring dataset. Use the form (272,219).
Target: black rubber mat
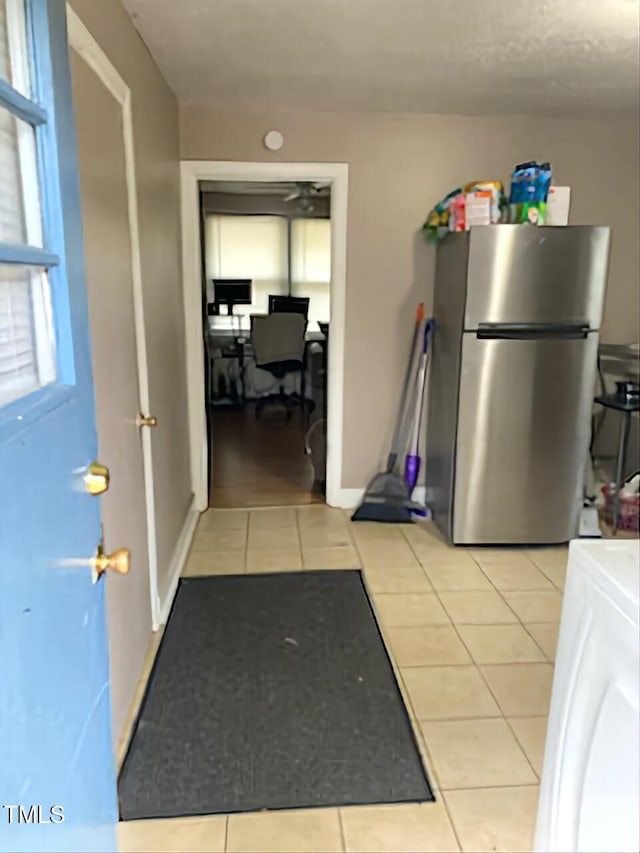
(271,692)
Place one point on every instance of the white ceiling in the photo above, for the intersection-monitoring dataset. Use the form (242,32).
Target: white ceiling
(542,57)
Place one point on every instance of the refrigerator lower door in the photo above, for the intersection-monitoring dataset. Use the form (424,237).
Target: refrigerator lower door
(522,436)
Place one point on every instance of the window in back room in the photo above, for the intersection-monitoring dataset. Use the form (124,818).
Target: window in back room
(255,247)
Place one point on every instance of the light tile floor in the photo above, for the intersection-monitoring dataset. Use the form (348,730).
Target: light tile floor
(472,635)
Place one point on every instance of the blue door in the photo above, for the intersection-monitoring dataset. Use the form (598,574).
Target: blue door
(57,775)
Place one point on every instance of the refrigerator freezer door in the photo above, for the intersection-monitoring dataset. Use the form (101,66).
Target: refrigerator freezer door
(522,438)
(532,274)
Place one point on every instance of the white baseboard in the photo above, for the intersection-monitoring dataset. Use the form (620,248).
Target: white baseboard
(180,555)
(347,498)
(350,498)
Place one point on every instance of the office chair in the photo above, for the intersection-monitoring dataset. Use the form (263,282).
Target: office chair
(289,305)
(278,347)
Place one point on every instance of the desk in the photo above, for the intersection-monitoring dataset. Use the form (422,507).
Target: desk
(619,360)
(229,337)
(224,326)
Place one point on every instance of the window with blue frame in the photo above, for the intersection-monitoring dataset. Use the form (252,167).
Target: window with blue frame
(27,338)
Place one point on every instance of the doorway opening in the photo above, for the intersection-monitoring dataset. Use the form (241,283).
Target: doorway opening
(264,255)
(266,298)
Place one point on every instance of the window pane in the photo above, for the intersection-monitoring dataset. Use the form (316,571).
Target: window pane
(14,57)
(311,250)
(311,265)
(252,247)
(20,216)
(27,343)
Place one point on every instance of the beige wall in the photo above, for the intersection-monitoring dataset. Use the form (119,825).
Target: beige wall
(399,165)
(155,117)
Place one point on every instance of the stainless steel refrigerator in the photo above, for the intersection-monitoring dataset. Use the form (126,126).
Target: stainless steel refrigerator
(517,310)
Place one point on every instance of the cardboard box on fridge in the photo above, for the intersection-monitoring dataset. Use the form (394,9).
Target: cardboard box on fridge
(477,208)
(558,204)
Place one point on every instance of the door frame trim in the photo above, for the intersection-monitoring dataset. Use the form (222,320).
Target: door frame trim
(193,171)
(81,40)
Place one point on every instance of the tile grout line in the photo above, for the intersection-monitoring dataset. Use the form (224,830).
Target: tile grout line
(226,833)
(246,545)
(452,822)
(522,749)
(343,837)
(496,588)
(492,787)
(299,533)
(472,662)
(460,719)
(545,655)
(506,720)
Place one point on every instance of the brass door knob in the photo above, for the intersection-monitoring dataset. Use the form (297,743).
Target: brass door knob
(118,561)
(96,479)
(146,420)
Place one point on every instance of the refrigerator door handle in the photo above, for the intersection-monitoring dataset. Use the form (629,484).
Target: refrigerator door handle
(531,331)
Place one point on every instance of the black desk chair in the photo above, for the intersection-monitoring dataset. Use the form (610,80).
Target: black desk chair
(278,342)
(289,305)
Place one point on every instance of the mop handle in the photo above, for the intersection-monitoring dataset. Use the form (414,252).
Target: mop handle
(396,449)
(421,386)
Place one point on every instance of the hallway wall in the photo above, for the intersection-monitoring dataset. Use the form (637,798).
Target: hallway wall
(399,166)
(155,118)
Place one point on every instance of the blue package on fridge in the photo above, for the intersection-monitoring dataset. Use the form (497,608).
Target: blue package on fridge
(543,183)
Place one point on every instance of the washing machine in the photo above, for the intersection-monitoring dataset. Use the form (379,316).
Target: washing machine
(590,783)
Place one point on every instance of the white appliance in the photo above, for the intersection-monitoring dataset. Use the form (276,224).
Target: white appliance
(590,784)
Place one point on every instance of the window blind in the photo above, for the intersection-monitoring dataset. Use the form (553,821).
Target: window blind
(12,220)
(18,362)
(255,247)
(252,247)
(311,265)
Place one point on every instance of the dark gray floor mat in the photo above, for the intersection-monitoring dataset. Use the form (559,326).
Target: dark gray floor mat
(269,692)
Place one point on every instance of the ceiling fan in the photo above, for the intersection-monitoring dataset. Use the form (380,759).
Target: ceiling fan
(304,193)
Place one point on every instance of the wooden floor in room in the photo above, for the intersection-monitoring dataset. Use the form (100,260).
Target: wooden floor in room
(260,461)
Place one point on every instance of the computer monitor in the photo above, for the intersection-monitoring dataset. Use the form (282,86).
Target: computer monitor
(230,292)
(288,304)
